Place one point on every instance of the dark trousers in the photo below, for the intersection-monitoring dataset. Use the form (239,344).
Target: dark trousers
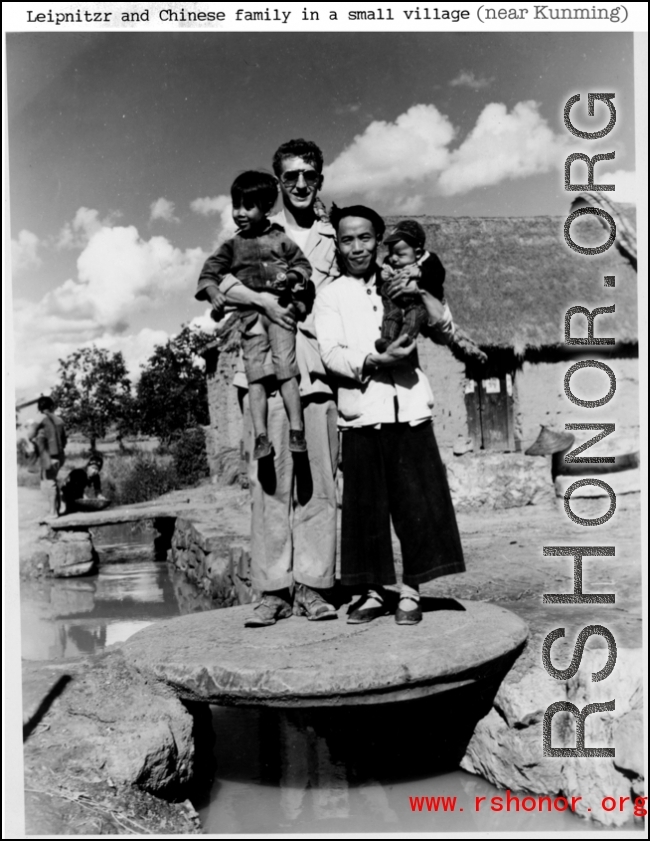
(407,317)
(396,472)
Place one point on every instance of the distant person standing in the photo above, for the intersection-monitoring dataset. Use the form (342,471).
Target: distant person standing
(50,440)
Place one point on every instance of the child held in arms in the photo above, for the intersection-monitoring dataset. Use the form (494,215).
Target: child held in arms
(408,260)
(264,258)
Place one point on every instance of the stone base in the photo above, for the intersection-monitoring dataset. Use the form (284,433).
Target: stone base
(498,480)
(213,657)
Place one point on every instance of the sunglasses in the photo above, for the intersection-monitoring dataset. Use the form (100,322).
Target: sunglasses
(292,176)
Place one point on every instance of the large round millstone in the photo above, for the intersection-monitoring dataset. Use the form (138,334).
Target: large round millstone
(212,657)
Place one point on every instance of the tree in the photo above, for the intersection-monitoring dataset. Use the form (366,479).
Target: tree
(171,395)
(94,391)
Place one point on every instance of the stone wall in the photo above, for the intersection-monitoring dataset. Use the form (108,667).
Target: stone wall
(211,561)
(498,480)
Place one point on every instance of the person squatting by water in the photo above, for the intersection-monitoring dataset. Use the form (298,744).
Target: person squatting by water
(391,464)
(263,258)
(294,507)
(82,483)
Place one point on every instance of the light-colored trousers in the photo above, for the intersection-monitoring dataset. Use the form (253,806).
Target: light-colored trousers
(293,531)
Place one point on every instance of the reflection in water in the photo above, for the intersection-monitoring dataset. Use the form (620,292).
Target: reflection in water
(62,618)
(300,772)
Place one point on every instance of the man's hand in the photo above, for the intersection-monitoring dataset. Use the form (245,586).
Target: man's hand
(466,349)
(395,354)
(218,302)
(400,283)
(282,316)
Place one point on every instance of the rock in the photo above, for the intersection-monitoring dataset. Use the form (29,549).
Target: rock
(73,537)
(594,778)
(499,480)
(107,722)
(462,445)
(512,758)
(624,685)
(628,739)
(71,557)
(507,748)
(528,689)
(213,657)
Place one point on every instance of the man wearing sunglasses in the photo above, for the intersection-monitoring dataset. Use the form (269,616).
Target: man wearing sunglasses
(293,534)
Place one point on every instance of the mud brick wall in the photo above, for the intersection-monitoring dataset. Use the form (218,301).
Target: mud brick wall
(225,430)
(218,567)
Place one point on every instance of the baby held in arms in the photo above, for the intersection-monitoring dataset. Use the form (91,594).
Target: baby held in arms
(409,261)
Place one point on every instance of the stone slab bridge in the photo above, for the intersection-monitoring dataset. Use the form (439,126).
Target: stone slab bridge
(212,657)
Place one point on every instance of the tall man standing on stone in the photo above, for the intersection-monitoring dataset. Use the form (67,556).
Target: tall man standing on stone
(293,533)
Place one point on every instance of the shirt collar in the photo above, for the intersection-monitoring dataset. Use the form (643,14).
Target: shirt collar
(320,225)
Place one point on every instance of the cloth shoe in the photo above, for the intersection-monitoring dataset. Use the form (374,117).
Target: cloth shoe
(408,617)
(310,603)
(361,614)
(268,611)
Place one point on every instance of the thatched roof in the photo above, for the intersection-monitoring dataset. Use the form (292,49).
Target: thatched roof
(510,280)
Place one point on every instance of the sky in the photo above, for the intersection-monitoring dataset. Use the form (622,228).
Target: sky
(123,146)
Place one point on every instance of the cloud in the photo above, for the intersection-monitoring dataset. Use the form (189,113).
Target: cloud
(163,209)
(387,155)
(204,322)
(625,183)
(119,273)
(24,250)
(404,164)
(209,206)
(502,146)
(86,222)
(467,79)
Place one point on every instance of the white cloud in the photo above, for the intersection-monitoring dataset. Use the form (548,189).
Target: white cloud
(24,250)
(163,209)
(404,164)
(503,146)
(209,206)
(625,183)
(86,222)
(204,322)
(390,155)
(118,274)
(467,79)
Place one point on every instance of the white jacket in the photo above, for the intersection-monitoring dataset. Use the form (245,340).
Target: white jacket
(347,316)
